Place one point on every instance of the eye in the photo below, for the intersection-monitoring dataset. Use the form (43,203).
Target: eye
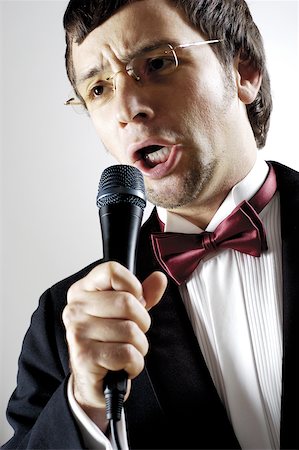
(159,64)
(100,91)
(97,90)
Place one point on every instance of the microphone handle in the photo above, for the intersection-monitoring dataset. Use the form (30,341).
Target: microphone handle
(120,224)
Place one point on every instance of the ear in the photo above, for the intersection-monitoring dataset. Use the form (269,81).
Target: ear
(248,80)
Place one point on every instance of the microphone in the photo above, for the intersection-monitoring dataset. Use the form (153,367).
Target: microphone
(121,201)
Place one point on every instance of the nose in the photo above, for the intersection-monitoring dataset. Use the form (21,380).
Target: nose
(131,100)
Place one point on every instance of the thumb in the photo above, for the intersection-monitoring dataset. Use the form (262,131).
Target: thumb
(153,288)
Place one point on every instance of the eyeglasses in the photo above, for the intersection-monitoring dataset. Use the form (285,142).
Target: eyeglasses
(151,66)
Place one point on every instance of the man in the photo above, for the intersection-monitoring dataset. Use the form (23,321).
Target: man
(178,89)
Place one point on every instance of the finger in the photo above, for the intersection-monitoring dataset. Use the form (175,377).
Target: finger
(153,288)
(96,358)
(107,304)
(110,276)
(107,331)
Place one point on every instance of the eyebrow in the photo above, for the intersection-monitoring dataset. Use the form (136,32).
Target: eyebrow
(94,71)
(152,46)
(89,74)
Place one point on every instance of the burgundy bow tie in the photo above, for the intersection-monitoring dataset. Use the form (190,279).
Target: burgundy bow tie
(179,253)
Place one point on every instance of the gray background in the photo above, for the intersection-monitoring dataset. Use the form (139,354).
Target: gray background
(51,159)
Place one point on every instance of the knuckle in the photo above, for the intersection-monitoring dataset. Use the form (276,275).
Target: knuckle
(136,368)
(67,316)
(146,323)
(145,347)
(134,336)
(110,267)
(130,330)
(129,353)
(72,292)
(128,303)
(74,326)
(74,338)
(70,314)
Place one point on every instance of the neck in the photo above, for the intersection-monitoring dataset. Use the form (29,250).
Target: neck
(201,214)
(201,211)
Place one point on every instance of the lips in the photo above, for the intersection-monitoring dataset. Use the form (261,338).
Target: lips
(155,157)
(151,151)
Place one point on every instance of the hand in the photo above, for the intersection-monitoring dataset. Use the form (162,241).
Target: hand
(106,320)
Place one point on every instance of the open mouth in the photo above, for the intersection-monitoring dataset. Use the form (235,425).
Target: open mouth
(155,154)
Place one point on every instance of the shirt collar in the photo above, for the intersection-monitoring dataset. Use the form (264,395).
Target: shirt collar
(243,190)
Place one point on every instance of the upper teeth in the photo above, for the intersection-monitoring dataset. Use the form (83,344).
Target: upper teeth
(159,155)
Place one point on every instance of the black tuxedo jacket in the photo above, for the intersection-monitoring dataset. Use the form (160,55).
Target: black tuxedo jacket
(173,403)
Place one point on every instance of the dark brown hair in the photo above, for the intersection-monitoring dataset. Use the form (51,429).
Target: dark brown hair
(229,20)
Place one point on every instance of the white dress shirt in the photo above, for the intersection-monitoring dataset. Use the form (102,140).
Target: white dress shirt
(234,302)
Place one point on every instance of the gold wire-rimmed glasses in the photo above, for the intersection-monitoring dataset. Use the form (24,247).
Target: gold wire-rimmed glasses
(149,66)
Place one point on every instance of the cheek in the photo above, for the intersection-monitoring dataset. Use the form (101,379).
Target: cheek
(106,135)
(211,100)
(196,109)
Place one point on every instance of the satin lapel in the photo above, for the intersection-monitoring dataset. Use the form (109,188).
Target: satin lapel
(288,186)
(178,375)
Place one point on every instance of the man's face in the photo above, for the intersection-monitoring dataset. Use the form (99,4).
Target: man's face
(194,115)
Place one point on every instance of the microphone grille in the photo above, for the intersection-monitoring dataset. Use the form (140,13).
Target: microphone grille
(121,183)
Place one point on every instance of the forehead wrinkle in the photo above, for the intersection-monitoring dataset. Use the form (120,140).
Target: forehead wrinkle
(146,47)
(139,50)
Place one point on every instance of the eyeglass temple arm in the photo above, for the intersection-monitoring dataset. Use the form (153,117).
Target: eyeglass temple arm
(72,101)
(212,41)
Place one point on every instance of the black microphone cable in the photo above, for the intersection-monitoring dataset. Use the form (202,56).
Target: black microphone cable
(121,201)
(115,388)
